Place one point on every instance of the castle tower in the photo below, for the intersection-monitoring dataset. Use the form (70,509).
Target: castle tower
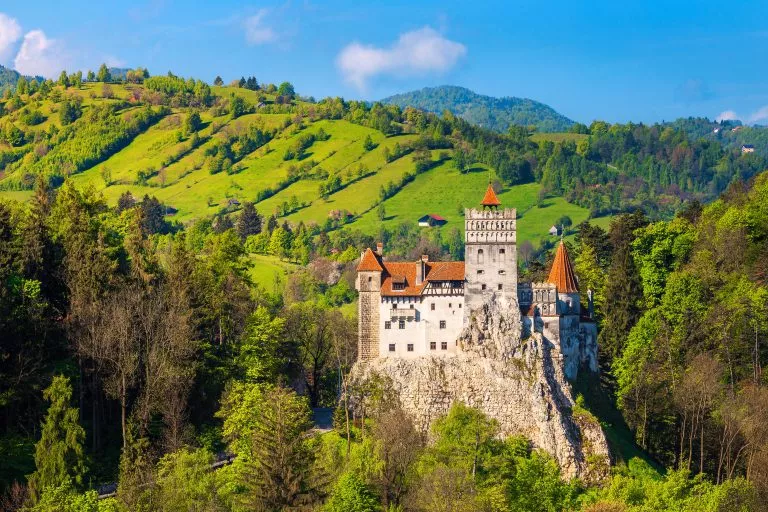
(490,253)
(564,278)
(369,287)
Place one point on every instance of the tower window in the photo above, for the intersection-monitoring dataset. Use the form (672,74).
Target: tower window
(432,345)
(443,345)
(370,279)
(387,325)
(401,324)
(442,324)
(480,258)
(502,272)
(394,305)
(391,347)
(480,271)
(410,347)
(500,286)
(502,251)
(482,287)
(432,306)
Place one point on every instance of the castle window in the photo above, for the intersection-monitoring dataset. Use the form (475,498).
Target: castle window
(442,324)
(502,272)
(502,251)
(387,325)
(410,347)
(502,255)
(370,279)
(443,345)
(459,305)
(401,324)
(450,305)
(432,345)
(482,287)
(432,306)
(391,347)
(480,258)
(500,286)
(394,305)
(480,271)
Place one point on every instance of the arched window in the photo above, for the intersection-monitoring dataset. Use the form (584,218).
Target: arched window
(479,256)
(502,255)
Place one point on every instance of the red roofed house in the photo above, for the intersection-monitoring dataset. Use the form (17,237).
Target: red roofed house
(431,220)
(419,308)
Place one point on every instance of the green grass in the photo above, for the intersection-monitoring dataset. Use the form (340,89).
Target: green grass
(269,271)
(446,192)
(558,137)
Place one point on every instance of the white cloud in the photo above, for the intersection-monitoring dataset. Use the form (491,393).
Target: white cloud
(39,55)
(10,32)
(760,114)
(728,115)
(256,32)
(420,51)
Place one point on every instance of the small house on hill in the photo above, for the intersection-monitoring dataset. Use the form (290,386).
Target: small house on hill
(430,220)
(747,148)
(554,231)
(233,202)
(170,210)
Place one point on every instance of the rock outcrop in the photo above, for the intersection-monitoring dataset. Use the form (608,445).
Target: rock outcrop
(519,382)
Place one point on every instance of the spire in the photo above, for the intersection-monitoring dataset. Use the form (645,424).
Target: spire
(562,274)
(369,262)
(490,200)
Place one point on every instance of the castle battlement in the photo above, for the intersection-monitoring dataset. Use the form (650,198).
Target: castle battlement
(419,308)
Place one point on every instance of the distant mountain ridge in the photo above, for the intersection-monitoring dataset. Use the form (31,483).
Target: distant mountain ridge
(487,111)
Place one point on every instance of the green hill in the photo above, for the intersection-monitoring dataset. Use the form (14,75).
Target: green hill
(497,114)
(121,143)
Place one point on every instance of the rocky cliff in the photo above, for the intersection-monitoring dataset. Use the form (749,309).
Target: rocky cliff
(519,382)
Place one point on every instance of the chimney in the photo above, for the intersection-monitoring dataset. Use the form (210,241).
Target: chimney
(421,268)
(380,249)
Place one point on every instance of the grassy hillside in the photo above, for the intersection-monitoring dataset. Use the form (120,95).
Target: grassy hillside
(163,159)
(493,113)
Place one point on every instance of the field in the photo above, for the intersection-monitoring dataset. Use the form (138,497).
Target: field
(180,175)
(268,271)
(446,192)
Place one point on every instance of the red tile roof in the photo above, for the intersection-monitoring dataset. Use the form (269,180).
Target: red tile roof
(436,217)
(445,271)
(490,198)
(370,262)
(562,274)
(405,272)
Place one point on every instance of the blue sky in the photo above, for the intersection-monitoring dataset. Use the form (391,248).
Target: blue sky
(617,61)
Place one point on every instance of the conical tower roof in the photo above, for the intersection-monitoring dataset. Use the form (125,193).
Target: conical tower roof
(562,274)
(490,198)
(369,262)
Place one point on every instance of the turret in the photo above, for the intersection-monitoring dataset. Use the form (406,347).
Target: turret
(490,254)
(368,284)
(564,279)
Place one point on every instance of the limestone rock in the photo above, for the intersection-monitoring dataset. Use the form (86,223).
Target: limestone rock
(519,382)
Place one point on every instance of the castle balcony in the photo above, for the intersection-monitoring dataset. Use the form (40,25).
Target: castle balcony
(402,314)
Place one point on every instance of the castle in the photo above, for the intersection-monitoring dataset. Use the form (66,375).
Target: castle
(417,309)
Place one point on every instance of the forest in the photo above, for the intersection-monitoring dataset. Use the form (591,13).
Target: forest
(143,368)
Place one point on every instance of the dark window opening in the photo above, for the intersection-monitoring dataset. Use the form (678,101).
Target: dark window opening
(500,286)
(432,345)
(432,306)
(442,324)
(444,345)
(410,347)
(391,347)
(401,324)
(387,325)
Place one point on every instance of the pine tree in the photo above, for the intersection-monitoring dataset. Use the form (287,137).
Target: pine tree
(623,290)
(218,81)
(249,222)
(59,455)
(281,458)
